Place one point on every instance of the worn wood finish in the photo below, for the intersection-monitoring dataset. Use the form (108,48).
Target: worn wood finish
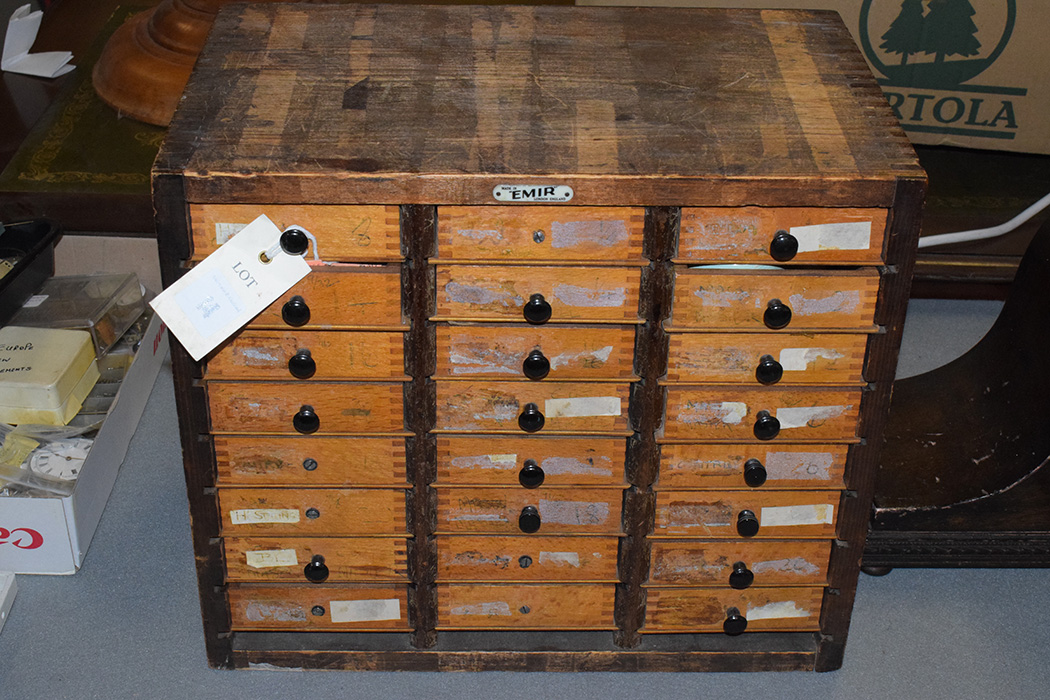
(576,510)
(704,610)
(705,563)
(715,513)
(336,355)
(536,606)
(526,558)
(715,466)
(260,607)
(309,461)
(265,511)
(282,559)
(342,296)
(497,461)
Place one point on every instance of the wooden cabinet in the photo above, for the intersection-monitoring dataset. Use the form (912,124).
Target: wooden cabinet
(591,368)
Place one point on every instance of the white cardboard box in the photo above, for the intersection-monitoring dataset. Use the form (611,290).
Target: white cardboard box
(50,535)
(7,596)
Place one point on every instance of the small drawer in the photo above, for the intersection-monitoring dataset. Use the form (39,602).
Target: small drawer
(760,300)
(491,558)
(739,565)
(537,294)
(313,355)
(755,466)
(706,610)
(746,413)
(348,233)
(316,559)
(530,461)
(746,514)
(259,511)
(540,233)
(361,607)
(305,407)
(766,358)
(517,511)
(532,407)
(535,352)
(339,296)
(779,235)
(532,606)
(252,460)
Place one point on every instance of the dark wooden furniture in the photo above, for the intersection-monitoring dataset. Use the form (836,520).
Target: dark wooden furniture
(516,370)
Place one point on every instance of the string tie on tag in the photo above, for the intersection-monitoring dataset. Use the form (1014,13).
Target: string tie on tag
(294,240)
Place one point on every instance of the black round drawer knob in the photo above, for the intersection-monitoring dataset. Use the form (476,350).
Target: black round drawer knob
(769,371)
(746,524)
(777,314)
(754,473)
(767,426)
(302,365)
(529,520)
(530,420)
(295,312)
(306,421)
(316,571)
(294,241)
(783,247)
(742,577)
(735,623)
(531,474)
(536,366)
(537,310)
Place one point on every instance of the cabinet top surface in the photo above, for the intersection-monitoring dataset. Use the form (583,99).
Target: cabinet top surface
(411,102)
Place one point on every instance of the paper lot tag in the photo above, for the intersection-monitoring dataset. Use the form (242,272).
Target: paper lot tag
(228,288)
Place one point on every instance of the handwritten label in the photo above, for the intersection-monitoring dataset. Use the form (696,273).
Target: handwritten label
(788,516)
(851,235)
(255,516)
(365,610)
(582,407)
(268,558)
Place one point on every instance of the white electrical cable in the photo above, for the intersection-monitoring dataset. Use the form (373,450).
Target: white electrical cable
(980,234)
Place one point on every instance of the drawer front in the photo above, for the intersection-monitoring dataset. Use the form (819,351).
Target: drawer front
(304,512)
(749,234)
(535,606)
(558,511)
(564,406)
(772,562)
(567,353)
(727,299)
(351,608)
(310,461)
(705,609)
(312,355)
(736,414)
(345,558)
(500,461)
(766,358)
(719,513)
(576,294)
(492,558)
(272,407)
(729,466)
(339,296)
(351,233)
(540,233)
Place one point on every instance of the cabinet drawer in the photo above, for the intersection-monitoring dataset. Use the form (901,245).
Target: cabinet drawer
(540,233)
(725,513)
(312,355)
(339,296)
(565,353)
(353,608)
(310,461)
(728,299)
(529,407)
(278,407)
(553,511)
(730,466)
(745,413)
(500,461)
(492,558)
(533,606)
(750,234)
(344,558)
(705,609)
(771,562)
(577,294)
(312,511)
(352,233)
(766,358)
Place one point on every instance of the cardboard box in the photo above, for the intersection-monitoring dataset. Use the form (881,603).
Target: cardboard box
(50,535)
(967,73)
(8,588)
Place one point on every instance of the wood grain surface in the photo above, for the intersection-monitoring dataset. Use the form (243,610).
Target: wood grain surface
(496,461)
(536,606)
(704,610)
(300,608)
(706,563)
(309,461)
(580,510)
(526,558)
(282,559)
(715,466)
(317,512)
(715,513)
(336,355)
(343,296)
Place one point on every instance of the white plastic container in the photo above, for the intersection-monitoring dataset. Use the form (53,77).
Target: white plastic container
(45,374)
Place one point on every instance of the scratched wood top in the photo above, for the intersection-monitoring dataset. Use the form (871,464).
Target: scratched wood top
(438,104)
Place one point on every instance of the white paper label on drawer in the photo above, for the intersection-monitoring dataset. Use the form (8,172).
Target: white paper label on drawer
(573,512)
(775,611)
(849,235)
(567,558)
(532,193)
(255,516)
(267,558)
(810,416)
(799,465)
(365,610)
(224,232)
(787,516)
(582,407)
(798,359)
(497,607)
